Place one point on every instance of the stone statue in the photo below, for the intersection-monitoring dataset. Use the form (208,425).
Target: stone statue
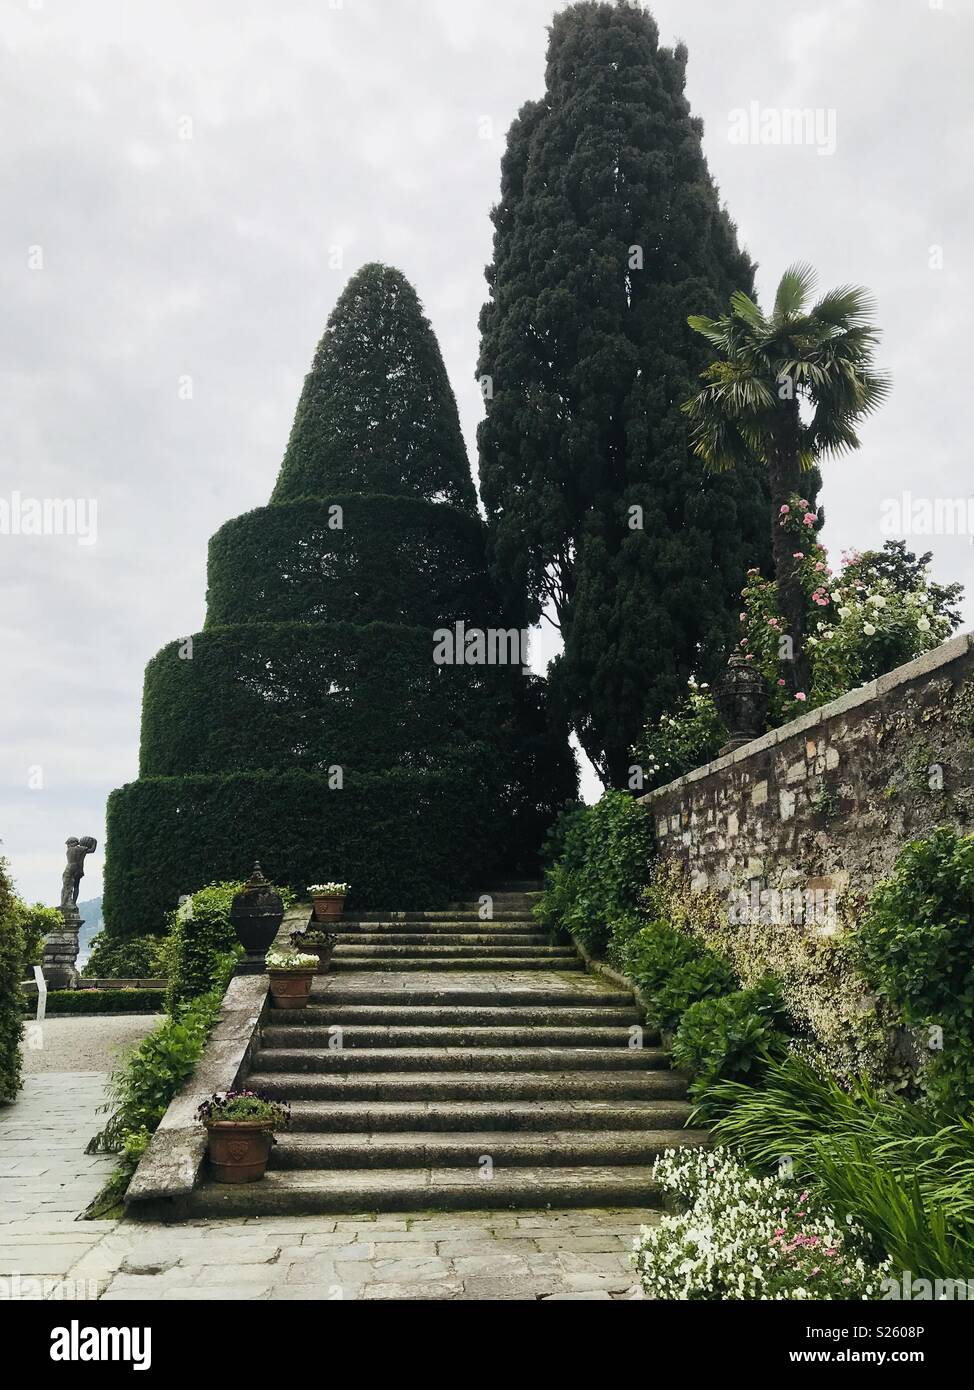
(74,870)
(61,946)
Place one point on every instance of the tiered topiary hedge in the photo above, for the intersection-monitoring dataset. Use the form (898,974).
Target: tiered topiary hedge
(308,725)
(350,559)
(278,695)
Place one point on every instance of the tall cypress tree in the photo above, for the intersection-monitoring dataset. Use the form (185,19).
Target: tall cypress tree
(608,234)
(308,725)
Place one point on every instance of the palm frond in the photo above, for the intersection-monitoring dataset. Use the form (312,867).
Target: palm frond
(795,286)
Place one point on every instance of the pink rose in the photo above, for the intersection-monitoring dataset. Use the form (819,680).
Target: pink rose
(798,555)
(809,518)
(781,682)
(784,509)
(800,695)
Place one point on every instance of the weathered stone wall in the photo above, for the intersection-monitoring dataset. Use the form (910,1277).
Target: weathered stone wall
(827,801)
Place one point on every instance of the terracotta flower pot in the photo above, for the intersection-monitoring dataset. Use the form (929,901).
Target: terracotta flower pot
(238,1150)
(328,906)
(290,988)
(324,954)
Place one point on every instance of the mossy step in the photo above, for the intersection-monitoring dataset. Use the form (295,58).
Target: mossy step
(422,1149)
(426,1189)
(517,1060)
(660,1084)
(381,1017)
(497,1116)
(472,914)
(449,1035)
(389,962)
(327,992)
(418,949)
(514,942)
(385,926)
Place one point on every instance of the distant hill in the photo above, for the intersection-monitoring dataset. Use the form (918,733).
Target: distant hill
(93,923)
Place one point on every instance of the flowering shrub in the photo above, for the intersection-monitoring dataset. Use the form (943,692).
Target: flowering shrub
(330,890)
(880,610)
(677,743)
(747,1237)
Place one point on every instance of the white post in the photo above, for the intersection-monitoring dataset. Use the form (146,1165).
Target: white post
(41,993)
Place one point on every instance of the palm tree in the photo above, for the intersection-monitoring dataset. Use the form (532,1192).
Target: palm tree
(751,406)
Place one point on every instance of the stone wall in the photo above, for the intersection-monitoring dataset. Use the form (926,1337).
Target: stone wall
(827,801)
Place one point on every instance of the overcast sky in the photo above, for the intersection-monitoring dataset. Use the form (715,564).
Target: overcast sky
(175,179)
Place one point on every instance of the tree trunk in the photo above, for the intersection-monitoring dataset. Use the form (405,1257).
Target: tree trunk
(786,485)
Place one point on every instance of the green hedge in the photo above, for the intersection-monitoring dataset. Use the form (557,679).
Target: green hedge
(407,840)
(288,695)
(13,961)
(100,1001)
(393,559)
(915,943)
(598,866)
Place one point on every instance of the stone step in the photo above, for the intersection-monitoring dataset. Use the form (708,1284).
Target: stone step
(453,916)
(378,1018)
(521,941)
(385,1036)
(426,1189)
(554,1148)
(327,993)
(412,950)
(389,962)
(514,1061)
(616,1085)
(425,929)
(518,885)
(451,1116)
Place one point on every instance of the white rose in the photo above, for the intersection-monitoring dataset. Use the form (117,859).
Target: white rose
(923,624)
(844,612)
(868,629)
(876,600)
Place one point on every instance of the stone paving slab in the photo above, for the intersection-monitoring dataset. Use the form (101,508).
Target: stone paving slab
(578,1254)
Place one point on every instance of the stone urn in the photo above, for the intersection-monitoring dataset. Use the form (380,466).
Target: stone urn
(256,915)
(742,702)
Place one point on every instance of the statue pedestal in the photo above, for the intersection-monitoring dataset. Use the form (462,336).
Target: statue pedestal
(61,952)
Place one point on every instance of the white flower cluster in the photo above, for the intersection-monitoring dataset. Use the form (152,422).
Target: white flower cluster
(747,1237)
(290,960)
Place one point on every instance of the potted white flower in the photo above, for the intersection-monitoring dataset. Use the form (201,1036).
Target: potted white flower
(328,900)
(290,974)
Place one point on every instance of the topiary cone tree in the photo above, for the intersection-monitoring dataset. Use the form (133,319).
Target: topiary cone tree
(308,725)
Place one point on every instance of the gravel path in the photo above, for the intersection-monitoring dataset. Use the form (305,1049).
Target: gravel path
(88,1043)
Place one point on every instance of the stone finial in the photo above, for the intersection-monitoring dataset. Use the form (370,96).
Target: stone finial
(742,702)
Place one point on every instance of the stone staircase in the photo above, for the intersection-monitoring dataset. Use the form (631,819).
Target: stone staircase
(448,1062)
